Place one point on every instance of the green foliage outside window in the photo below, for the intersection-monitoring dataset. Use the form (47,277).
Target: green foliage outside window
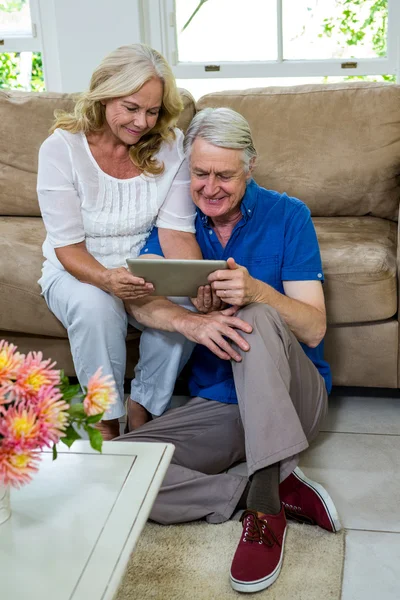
(356,30)
(10,70)
(37,79)
(11,5)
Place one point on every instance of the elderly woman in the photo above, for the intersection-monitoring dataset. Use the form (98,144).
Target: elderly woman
(109,172)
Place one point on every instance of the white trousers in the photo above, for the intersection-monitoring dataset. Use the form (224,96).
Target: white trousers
(97,324)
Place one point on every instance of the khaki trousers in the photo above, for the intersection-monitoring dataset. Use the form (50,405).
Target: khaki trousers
(282,401)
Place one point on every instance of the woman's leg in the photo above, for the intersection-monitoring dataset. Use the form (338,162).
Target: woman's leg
(96,323)
(163,355)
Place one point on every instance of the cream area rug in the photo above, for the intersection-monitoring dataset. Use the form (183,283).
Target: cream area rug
(192,562)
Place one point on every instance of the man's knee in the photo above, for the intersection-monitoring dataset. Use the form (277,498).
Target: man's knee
(256,310)
(266,323)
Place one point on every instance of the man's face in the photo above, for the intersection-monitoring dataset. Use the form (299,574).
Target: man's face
(218,179)
(131,117)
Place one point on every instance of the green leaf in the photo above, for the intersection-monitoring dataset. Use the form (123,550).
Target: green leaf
(71,392)
(70,436)
(94,419)
(64,381)
(95,438)
(54,452)
(76,411)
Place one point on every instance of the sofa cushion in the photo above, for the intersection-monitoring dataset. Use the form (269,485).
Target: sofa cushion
(26,118)
(358,256)
(22,307)
(58,349)
(364,355)
(359,261)
(335,146)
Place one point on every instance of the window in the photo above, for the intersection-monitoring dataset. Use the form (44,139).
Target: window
(19,30)
(20,58)
(276,38)
(207,39)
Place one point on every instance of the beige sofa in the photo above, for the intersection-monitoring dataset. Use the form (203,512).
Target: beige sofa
(336,147)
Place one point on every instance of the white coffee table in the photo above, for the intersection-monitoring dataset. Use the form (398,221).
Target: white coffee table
(74,527)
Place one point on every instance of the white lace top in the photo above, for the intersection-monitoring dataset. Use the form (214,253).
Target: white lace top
(80,202)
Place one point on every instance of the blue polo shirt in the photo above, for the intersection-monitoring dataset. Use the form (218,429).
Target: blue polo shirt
(276,241)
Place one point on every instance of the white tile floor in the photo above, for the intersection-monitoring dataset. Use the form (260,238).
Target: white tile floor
(357,458)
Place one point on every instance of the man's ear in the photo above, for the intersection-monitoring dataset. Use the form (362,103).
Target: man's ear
(252,163)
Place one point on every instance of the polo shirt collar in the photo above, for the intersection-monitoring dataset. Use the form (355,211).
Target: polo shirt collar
(246,207)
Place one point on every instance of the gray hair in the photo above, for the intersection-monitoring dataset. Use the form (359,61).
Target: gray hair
(222,127)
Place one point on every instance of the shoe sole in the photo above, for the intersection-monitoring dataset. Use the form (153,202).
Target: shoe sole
(260,584)
(323,496)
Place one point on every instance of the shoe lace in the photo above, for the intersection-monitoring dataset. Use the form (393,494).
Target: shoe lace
(257,530)
(294,513)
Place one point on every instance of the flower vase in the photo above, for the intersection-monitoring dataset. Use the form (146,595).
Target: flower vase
(5,507)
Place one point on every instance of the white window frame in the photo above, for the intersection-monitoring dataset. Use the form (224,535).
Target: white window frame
(159,28)
(25,43)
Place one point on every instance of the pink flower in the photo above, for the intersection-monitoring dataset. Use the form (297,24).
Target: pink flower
(18,467)
(3,397)
(33,374)
(53,415)
(10,362)
(20,428)
(100,394)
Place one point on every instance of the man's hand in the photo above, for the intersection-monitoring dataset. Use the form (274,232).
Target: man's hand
(121,283)
(212,329)
(207,300)
(234,285)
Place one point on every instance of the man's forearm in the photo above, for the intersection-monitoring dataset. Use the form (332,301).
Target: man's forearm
(157,312)
(307,322)
(179,244)
(218,331)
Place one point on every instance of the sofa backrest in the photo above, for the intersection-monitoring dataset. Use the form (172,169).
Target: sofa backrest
(25,120)
(335,146)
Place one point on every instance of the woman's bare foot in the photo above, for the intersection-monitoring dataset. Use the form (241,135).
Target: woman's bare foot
(136,415)
(108,429)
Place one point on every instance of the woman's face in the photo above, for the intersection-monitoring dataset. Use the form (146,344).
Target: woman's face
(131,117)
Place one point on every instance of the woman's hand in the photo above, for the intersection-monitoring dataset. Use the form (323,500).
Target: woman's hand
(123,284)
(207,300)
(234,285)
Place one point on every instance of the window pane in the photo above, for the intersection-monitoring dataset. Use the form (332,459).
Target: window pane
(227,30)
(21,71)
(317,29)
(15,18)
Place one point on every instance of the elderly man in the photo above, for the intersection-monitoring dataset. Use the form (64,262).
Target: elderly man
(267,404)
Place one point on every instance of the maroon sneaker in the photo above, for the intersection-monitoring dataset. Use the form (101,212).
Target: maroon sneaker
(306,501)
(258,557)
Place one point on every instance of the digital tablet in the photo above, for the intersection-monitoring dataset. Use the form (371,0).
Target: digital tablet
(174,277)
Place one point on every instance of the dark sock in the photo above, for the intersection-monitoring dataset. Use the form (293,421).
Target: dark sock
(263,494)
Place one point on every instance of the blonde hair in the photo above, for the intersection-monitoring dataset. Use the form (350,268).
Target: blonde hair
(122,73)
